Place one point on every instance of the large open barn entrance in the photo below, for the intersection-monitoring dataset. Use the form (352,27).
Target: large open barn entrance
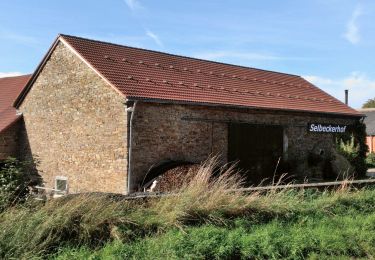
(257,148)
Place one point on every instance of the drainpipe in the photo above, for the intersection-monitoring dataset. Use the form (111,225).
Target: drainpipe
(130,110)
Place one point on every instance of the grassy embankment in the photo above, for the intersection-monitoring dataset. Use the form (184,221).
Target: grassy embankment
(204,220)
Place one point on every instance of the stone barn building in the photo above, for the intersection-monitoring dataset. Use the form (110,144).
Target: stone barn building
(10,123)
(98,116)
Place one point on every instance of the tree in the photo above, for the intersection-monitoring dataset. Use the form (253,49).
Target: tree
(369,103)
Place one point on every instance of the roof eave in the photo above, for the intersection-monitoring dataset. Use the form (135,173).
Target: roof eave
(182,102)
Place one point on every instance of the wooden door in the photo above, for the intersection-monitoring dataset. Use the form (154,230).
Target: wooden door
(257,148)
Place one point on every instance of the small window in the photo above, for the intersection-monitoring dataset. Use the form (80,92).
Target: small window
(61,184)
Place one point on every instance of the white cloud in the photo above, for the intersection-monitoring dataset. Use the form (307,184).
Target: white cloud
(361,88)
(9,74)
(352,29)
(133,4)
(154,37)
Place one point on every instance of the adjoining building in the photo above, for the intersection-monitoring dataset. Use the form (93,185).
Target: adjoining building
(370,127)
(10,88)
(98,116)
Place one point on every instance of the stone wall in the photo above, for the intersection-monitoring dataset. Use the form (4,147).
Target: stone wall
(76,126)
(9,141)
(191,133)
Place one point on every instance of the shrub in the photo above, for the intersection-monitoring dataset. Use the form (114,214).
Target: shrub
(359,162)
(13,182)
(353,147)
(370,160)
(348,149)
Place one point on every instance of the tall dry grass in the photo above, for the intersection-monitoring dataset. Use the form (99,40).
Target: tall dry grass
(211,196)
(86,219)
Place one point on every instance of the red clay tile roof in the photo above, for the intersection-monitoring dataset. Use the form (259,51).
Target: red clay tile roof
(145,74)
(10,88)
(8,116)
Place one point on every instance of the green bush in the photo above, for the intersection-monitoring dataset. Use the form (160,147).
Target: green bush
(349,149)
(353,146)
(370,160)
(13,182)
(359,163)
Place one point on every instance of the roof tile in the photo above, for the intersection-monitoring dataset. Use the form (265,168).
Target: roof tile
(7,117)
(10,88)
(146,74)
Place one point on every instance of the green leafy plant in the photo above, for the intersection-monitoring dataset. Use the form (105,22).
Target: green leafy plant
(349,149)
(353,146)
(370,160)
(13,182)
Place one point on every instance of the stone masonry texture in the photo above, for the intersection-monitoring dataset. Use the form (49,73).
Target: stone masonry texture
(9,141)
(76,126)
(163,132)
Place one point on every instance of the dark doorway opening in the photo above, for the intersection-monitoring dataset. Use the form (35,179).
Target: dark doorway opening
(257,148)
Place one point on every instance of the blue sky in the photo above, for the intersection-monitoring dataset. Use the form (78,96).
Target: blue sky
(329,42)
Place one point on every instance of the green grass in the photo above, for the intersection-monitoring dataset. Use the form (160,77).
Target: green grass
(272,240)
(203,221)
(321,226)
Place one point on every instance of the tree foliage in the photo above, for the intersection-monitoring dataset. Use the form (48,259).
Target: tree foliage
(369,103)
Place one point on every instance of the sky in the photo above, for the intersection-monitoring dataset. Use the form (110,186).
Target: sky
(331,43)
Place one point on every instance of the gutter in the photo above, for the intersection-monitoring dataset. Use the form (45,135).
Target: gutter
(130,109)
(239,107)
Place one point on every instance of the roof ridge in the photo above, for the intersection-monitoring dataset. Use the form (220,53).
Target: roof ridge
(177,55)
